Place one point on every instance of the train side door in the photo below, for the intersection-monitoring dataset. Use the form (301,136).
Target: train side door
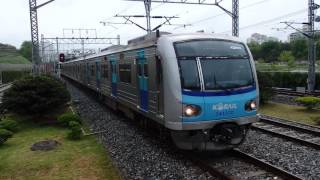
(87,73)
(98,74)
(142,77)
(113,67)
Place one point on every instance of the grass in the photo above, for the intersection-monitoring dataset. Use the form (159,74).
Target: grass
(83,159)
(13,59)
(294,113)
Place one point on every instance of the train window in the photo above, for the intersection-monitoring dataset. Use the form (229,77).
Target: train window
(239,74)
(210,48)
(92,70)
(125,73)
(139,70)
(105,71)
(105,58)
(121,57)
(145,70)
(189,74)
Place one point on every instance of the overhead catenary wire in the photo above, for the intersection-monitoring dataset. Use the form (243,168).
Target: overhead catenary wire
(271,20)
(221,14)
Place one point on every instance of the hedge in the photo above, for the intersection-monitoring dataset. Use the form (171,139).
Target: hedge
(289,79)
(9,76)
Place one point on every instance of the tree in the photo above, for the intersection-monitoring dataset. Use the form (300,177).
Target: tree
(270,51)
(255,49)
(299,49)
(26,50)
(35,95)
(286,56)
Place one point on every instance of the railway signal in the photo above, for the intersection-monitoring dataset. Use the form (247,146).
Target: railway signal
(61,57)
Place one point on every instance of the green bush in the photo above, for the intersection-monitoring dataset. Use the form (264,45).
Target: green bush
(265,87)
(5,135)
(9,76)
(65,118)
(75,133)
(9,124)
(289,79)
(309,102)
(35,96)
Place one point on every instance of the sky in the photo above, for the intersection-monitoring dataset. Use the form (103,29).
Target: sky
(57,18)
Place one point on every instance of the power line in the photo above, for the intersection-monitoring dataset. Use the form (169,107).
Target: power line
(271,20)
(214,16)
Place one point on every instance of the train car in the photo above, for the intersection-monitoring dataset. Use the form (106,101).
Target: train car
(202,87)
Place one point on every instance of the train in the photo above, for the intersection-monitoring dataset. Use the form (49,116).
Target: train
(200,87)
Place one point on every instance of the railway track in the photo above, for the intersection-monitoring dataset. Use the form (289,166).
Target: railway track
(290,92)
(303,134)
(240,165)
(4,87)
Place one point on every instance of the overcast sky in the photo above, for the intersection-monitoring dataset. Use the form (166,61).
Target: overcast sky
(262,16)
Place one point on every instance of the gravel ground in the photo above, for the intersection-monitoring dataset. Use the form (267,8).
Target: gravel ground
(240,169)
(307,126)
(299,160)
(139,155)
(136,153)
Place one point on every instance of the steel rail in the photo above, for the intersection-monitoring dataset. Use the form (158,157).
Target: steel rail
(208,168)
(273,121)
(264,165)
(290,138)
(295,93)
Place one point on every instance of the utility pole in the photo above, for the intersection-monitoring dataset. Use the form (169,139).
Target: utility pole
(235,18)
(34,33)
(147,5)
(310,35)
(311,46)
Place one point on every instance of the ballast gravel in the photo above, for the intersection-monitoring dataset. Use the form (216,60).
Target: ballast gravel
(140,155)
(136,154)
(299,160)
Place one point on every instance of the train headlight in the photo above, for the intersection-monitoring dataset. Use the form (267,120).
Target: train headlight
(191,110)
(251,105)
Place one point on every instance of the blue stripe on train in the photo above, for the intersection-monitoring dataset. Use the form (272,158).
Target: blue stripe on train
(219,93)
(219,107)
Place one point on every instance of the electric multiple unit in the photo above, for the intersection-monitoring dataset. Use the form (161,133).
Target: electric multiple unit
(202,87)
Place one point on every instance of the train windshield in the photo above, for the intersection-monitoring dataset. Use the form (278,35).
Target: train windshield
(218,65)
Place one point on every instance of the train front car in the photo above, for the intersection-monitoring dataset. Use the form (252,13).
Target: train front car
(210,90)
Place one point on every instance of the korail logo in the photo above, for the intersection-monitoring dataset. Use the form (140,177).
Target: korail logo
(222,106)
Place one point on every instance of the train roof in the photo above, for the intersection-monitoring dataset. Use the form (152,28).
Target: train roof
(189,36)
(151,40)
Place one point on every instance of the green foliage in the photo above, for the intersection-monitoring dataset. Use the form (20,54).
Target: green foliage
(75,133)
(299,49)
(10,55)
(9,124)
(265,87)
(255,49)
(270,50)
(26,50)
(309,102)
(290,79)
(286,56)
(5,135)
(68,117)
(35,96)
(9,76)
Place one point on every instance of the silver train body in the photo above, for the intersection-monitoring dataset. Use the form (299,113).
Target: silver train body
(202,87)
